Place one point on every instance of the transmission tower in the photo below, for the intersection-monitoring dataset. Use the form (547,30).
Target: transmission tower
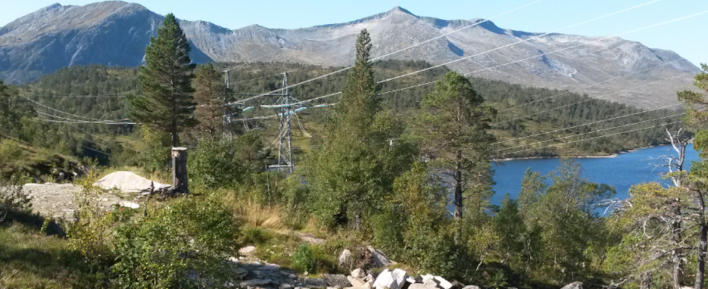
(286,106)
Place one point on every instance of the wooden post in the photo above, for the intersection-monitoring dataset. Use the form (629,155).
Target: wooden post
(179,170)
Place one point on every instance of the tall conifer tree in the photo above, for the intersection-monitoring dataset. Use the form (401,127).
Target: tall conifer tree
(167,103)
(210,94)
(453,127)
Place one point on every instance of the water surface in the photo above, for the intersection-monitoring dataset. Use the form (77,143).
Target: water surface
(621,172)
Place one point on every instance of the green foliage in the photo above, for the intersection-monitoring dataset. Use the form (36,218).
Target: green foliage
(167,103)
(303,259)
(159,249)
(453,126)
(154,156)
(210,94)
(255,236)
(348,175)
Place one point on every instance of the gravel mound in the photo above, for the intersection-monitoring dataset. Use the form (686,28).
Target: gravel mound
(128,182)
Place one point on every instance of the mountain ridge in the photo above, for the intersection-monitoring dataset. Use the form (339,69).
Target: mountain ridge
(115,33)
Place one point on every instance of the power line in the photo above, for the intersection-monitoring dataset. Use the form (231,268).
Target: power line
(591,99)
(592,138)
(377,58)
(586,124)
(520,41)
(596,131)
(535,56)
(592,85)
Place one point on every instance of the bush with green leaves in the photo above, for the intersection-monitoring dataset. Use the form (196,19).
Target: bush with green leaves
(225,162)
(173,243)
(304,259)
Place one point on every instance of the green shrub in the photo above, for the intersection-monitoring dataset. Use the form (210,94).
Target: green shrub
(184,238)
(256,236)
(304,259)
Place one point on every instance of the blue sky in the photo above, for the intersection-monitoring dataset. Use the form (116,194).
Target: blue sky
(689,37)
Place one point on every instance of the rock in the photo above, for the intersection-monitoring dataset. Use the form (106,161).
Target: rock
(315,282)
(240,272)
(574,285)
(420,286)
(336,280)
(410,279)
(345,259)
(458,285)
(285,286)
(471,287)
(358,273)
(127,204)
(369,279)
(356,282)
(429,280)
(443,283)
(234,260)
(379,259)
(391,280)
(256,282)
(246,250)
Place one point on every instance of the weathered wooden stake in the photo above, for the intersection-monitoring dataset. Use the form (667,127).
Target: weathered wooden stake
(179,170)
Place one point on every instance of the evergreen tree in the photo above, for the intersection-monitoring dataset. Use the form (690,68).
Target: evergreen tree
(210,94)
(167,102)
(453,126)
(349,174)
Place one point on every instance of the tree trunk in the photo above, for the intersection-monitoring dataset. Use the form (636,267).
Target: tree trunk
(676,259)
(700,272)
(703,230)
(458,186)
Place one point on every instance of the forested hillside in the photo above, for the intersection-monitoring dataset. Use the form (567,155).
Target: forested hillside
(521,124)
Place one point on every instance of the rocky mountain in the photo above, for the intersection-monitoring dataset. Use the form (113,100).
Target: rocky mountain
(116,33)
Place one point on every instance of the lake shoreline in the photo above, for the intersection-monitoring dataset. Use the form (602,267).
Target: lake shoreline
(578,157)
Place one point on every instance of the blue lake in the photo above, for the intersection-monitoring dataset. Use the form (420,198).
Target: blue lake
(621,172)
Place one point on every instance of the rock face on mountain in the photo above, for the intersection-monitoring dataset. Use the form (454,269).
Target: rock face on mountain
(116,33)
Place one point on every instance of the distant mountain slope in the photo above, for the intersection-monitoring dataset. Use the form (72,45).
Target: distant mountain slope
(116,33)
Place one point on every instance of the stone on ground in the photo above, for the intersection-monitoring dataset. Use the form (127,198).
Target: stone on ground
(574,285)
(336,280)
(345,259)
(420,286)
(256,282)
(379,259)
(391,280)
(429,280)
(358,273)
(356,282)
(443,283)
(247,250)
(128,182)
(471,287)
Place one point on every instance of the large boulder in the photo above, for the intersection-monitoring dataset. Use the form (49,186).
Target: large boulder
(356,282)
(574,285)
(391,280)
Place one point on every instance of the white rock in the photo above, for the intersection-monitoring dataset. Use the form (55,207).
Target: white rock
(574,285)
(356,282)
(420,286)
(129,204)
(379,259)
(471,287)
(358,273)
(345,259)
(443,283)
(369,279)
(410,279)
(391,280)
(429,280)
(247,250)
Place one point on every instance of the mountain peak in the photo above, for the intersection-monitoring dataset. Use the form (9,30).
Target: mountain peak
(399,9)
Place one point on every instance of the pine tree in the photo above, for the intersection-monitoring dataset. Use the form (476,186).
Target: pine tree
(167,103)
(349,175)
(210,93)
(453,127)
